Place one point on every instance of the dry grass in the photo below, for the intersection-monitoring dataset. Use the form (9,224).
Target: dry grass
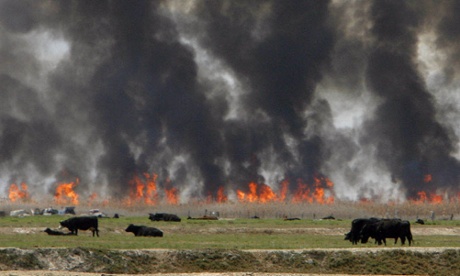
(339,209)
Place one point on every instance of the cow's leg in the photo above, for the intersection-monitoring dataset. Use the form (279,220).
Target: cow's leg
(403,240)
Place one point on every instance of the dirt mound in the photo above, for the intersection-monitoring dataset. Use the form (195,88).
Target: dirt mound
(330,261)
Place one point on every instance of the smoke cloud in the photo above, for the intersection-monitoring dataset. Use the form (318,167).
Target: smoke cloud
(211,94)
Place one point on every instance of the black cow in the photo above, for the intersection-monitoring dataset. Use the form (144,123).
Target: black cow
(164,217)
(204,218)
(141,230)
(288,219)
(387,228)
(81,223)
(357,225)
(369,230)
(56,233)
(393,228)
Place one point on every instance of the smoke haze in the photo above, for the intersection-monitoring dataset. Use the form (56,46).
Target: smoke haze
(211,94)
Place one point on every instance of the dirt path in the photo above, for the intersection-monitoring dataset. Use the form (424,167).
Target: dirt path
(419,231)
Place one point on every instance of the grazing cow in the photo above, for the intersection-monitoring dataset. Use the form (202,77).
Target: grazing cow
(393,228)
(387,228)
(369,230)
(81,223)
(357,225)
(56,233)
(164,217)
(141,230)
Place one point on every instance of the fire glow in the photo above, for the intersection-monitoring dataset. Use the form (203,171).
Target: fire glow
(143,189)
(320,192)
(65,193)
(18,193)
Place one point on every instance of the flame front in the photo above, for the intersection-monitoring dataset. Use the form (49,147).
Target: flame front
(316,193)
(65,193)
(430,198)
(320,192)
(424,197)
(257,193)
(15,193)
(143,190)
(221,197)
(171,196)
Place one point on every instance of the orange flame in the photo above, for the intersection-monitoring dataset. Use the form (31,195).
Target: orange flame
(16,193)
(171,196)
(141,190)
(427,178)
(221,197)
(151,195)
(257,193)
(284,190)
(436,199)
(422,196)
(319,194)
(431,198)
(65,193)
(302,193)
(266,194)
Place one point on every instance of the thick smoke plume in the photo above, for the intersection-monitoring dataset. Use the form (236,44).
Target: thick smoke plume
(211,94)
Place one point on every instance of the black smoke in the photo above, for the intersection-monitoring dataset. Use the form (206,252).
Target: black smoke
(409,139)
(140,89)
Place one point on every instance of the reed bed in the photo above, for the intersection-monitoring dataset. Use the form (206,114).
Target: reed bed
(338,209)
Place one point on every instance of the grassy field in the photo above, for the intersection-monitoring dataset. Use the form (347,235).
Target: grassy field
(234,243)
(239,234)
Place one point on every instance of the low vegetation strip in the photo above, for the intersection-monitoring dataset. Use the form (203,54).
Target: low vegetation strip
(431,261)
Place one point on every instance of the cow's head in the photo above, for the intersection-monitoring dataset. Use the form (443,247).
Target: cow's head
(131,228)
(63,223)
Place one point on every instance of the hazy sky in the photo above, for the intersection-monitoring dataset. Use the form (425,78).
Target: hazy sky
(211,94)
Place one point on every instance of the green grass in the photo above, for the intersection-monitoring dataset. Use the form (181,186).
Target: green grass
(195,234)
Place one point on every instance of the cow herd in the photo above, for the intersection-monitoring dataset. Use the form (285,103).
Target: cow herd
(379,229)
(362,229)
